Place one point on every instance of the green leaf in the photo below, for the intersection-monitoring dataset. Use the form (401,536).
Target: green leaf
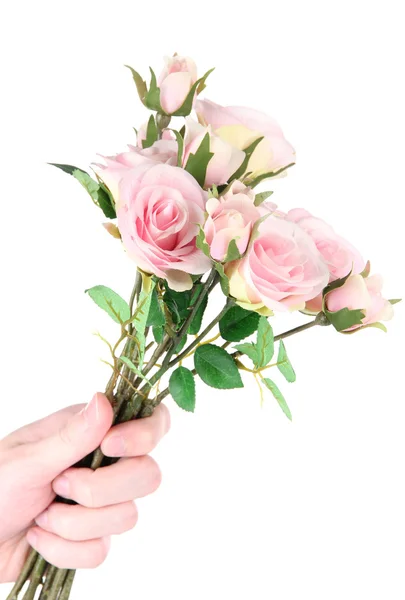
(152,96)
(284,365)
(260,198)
(233,252)
(224,281)
(140,84)
(238,324)
(344,318)
(96,189)
(197,163)
(201,243)
(182,388)
(180,147)
(248,153)
(213,192)
(178,304)
(111,302)
(181,345)
(366,271)
(156,316)
(187,106)
(216,367)
(337,283)
(106,201)
(265,342)
(250,349)
(254,182)
(195,324)
(395,300)
(141,315)
(133,368)
(151,133)
(278,396)
(158,334)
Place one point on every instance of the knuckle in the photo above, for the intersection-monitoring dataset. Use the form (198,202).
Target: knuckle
(154,473)
(131,516)
(99,553)
(85,491)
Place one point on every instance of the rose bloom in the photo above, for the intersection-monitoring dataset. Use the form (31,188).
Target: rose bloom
(162,151)
(175,82)
(282,270)
(340,256)
(362,293)
(240,126)
(159,210)
(230,217)
(226,160)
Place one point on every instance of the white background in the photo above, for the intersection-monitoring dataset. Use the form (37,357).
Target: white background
(251,506)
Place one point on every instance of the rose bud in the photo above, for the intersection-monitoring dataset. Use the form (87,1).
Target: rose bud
(225,161)
(175,82)
(361,293)
(230,217)
(240,127)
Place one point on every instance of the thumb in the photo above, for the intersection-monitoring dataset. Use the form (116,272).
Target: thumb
(78,436)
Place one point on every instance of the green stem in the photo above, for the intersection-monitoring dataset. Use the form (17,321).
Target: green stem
(49,579)
(319,320)
(67,586)
(57,584)
(212,280)
(36,578)
(24,575)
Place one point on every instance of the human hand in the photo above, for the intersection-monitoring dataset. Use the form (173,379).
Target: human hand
(34,467)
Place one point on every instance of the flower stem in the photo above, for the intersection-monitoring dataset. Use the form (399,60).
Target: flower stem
(24,575)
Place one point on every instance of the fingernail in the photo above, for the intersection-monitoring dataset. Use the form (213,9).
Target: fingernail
(61,486)
(92,411)
(32,537)
(114,446)
(42,519)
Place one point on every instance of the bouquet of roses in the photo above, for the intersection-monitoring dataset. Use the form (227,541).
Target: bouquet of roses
(184,203)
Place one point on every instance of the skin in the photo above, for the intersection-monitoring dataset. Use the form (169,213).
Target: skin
(35,465)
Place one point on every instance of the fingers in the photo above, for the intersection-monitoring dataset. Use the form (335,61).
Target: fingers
(77,523)
(137,438)
(66,554)
(79,435)
(33,432)
(128,479)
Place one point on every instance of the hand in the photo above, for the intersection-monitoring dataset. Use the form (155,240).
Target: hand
(34,467)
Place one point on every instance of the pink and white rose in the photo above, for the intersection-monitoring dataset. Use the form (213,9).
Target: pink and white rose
(282,270)
(340,256)
(115,167)
(240,127)
(175,82)
(159,211)
(363,293)
(230,217)
(226,160)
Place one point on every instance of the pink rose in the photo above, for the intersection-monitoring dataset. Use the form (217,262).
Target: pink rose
(159,210)
(175,82)
(282,270)
(226,160)
(362,293)
(230,217)
(162,151)
(340,256)
(241,126)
